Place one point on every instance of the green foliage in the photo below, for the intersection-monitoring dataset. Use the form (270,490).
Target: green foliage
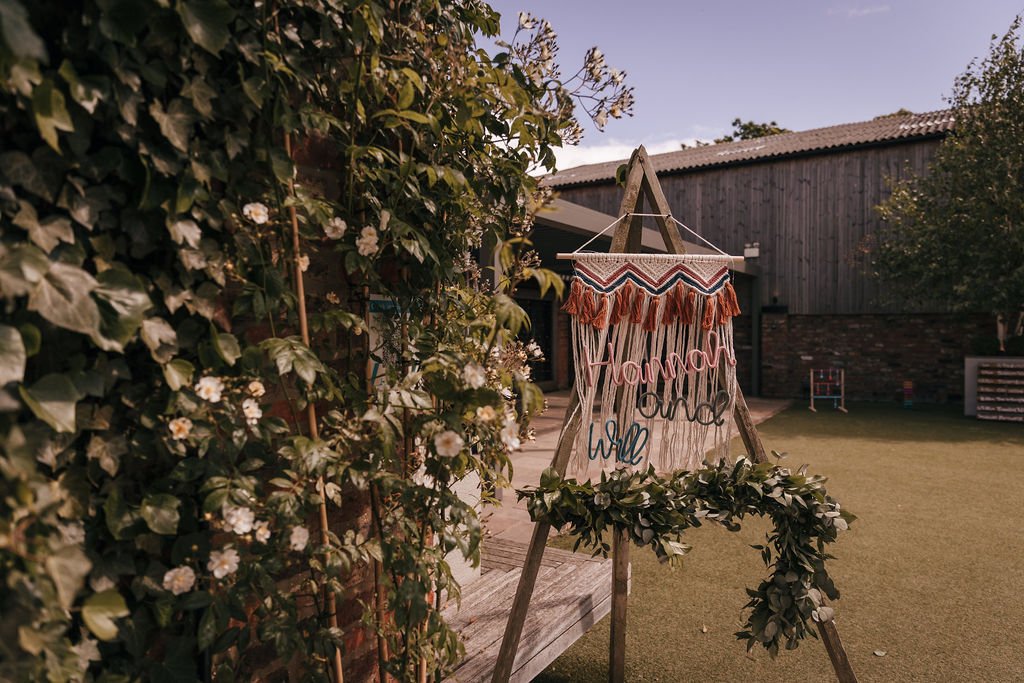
(655,511)
(750,130)
(155,503)
(745,130)
(955,236)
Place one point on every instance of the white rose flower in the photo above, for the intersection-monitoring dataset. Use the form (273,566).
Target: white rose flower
(210,389)
(303,262)
(448,444)
(179,580)
(298,538)
(486,413)
(238,520)
(180,428)
(335,228)
(251,410)
(823,614)
(262,532)
(223,562)
(474,375)
(256,388)
(367,242)
(510,435)
(257,212)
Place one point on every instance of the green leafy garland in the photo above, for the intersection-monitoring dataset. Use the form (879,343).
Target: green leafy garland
(655,511)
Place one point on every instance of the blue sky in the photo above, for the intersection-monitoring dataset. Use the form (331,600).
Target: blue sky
(698,64)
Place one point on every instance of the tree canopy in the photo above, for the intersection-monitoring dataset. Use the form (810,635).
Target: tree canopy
(955,236)
(745,130)
(748,130)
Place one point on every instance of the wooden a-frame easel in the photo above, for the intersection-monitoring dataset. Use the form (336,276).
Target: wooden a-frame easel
(641,182)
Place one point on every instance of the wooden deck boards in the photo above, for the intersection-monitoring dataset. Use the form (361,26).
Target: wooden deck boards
(573,593)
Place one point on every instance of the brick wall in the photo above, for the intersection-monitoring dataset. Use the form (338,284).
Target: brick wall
(878,352)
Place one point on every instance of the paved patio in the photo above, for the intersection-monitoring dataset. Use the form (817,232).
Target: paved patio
(511,521)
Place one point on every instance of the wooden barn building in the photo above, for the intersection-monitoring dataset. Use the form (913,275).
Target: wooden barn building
(807,200)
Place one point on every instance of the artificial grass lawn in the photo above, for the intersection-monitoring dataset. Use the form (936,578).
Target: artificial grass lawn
(931,573)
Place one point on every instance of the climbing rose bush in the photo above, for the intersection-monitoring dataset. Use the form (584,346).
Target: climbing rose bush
(186,190)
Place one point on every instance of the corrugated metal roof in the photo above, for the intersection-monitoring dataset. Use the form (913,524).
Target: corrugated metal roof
(884,129)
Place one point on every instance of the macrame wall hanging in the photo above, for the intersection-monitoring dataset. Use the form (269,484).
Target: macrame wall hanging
(654,359)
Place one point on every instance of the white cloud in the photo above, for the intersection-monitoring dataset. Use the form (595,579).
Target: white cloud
(613,149)
(853,12)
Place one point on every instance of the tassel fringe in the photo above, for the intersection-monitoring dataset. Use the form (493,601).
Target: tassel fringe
(636,310)
(600,319)
(572,304)
(730,296)
(710,316)
(632,304)
(651,321)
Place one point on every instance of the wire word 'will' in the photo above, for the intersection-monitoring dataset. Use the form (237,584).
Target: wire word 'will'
(628,448)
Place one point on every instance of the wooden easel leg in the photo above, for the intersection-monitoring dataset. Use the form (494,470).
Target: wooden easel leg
(829,633)
(745,425)
(531,568)
(620,596)
(521,604)
(836,652)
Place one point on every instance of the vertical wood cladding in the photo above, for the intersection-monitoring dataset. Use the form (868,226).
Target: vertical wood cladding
(811,215)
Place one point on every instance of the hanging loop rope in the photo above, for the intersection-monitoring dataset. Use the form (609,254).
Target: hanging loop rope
(610,226)
(650,215)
